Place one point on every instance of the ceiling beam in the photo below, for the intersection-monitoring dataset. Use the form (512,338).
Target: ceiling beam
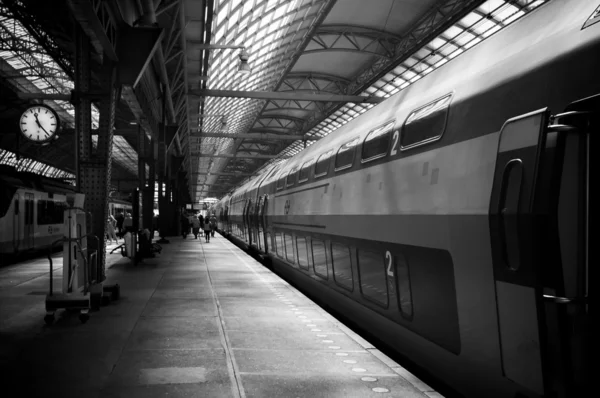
(223,173)
(224,184)
(42,96)
(227,155)
(257,136)
(277,95)
(211,189)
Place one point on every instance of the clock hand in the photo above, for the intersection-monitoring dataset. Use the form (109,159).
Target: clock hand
(39,124)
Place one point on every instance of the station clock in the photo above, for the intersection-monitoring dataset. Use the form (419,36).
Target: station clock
(39,123)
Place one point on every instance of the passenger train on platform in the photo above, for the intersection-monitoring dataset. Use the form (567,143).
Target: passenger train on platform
(451,220)
(32,211)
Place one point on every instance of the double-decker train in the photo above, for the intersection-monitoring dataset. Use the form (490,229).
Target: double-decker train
(32,211)
(451,220)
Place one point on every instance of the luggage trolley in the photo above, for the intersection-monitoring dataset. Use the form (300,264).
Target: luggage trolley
(82,279)
(77,269)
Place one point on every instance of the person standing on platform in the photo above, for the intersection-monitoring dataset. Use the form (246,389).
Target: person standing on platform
(207,229)
(110,229)
(185,226)
(154,225)
(213,225)
(127,224)
(120,218)
(195,227)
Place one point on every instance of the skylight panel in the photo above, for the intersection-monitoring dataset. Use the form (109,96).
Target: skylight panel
(470,19)
(506,11)
(491,5)
(447,49)
(452,32)
(484,26)
(467,46)
(456,53)
(247,6)
(464,38)
(436,43)
(233,18)
(252,29)
(514,17)
(491,31)
(264,22)
(243,23)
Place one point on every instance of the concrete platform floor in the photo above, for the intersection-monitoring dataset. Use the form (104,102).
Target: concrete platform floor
(199,320)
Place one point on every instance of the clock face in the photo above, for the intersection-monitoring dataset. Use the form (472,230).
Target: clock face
(39,123)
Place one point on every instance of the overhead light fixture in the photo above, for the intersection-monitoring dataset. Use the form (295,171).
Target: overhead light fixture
(244,67)
(244,56)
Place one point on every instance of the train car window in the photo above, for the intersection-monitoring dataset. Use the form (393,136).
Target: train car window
(289,248)
(7,192)
(305,170)
(302,249)
(59,212)
(425,124)
(291,178)
(43,218)
(371,273)
(279,244)
(403,286)
(345,155)
(377,142)
(322,166)
(319,258)
(594,18)
(342,265)
(49,212)
(281,183)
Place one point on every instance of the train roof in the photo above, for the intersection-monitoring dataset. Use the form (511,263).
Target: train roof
(527,45)
(119,201)
(10,177)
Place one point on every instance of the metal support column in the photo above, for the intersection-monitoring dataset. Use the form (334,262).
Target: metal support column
(163,192)
(142,150)
(148,191)
(94,167)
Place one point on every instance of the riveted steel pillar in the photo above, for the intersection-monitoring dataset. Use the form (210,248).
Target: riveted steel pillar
(163,209)
(148,191)
(142,150)
(94,167)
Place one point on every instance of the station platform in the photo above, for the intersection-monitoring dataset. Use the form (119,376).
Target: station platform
(199,320)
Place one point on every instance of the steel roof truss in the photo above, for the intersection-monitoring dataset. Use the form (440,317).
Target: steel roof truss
(354,38)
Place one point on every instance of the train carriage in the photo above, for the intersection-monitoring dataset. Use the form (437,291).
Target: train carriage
(452,219)
(32,211)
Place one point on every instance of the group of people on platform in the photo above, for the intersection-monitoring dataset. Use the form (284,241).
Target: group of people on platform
(118,225)
(198,223)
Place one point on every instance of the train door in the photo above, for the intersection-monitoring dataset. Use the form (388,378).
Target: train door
(246,222)
(255,227)
(28,227)
(249,222)
(263,223)
(530,238)
(16,223)
(256,223)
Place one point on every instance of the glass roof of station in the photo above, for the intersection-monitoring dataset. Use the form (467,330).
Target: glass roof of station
(25,164)
(489,18)
(271,32)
